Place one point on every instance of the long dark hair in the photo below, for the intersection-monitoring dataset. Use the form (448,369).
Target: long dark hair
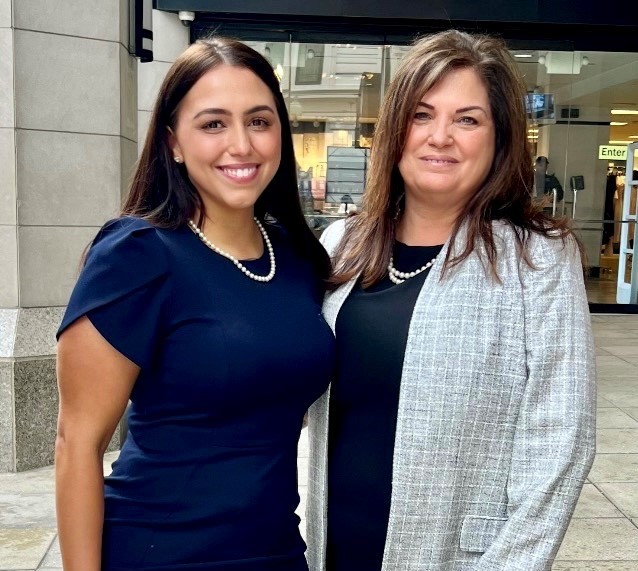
(161,191)
(505,194)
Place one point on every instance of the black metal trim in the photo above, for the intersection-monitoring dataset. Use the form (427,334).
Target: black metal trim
(578,122)
(518,35)
(585,12)
(137,32)
(627,308)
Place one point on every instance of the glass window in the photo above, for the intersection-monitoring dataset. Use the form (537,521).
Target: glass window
(578,104)
(594,96)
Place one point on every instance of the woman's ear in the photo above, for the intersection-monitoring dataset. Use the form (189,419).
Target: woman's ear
(174,145)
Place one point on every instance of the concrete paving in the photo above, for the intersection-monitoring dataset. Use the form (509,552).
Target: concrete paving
(603,535)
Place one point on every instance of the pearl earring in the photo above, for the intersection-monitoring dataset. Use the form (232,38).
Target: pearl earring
(178,160)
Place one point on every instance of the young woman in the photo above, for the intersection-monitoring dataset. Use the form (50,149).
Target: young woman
(200,304)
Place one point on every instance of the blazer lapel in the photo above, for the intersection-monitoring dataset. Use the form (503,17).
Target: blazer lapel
(334,300)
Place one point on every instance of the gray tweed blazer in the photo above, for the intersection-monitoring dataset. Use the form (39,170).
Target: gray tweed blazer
(496,422)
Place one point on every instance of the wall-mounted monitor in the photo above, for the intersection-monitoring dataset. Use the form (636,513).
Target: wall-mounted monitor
(540,107)
(346,174)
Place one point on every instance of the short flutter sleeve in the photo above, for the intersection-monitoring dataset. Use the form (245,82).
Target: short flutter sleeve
(123,288)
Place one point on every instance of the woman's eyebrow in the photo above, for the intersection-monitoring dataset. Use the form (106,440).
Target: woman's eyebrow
(220,111)
(460,110)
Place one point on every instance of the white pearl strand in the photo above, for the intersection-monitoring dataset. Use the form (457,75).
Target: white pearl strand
(240,266)
(398,277)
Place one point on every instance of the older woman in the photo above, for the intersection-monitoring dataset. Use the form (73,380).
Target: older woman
(460,427)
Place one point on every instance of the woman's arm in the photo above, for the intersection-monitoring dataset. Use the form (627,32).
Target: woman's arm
(554,442)
(94,382)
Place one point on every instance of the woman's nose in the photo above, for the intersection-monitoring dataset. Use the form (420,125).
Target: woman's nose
(239,141)
(440,132)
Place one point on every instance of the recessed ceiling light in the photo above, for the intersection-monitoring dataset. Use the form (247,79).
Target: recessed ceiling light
(624,111)
(633,136)
(618,123)
(522,55)
(619,142)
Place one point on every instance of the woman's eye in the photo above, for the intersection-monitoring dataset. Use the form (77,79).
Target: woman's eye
(211,125)
(259,123)
(422,116)
(468,121)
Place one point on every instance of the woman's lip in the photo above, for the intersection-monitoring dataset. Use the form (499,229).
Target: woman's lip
(439,159)
(238,166)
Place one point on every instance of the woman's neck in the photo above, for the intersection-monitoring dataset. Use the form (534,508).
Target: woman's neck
(236,234)
(425,227)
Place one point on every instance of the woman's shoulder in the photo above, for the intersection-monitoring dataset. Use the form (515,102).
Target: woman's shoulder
(126,256)
(129,244)
(333,234)
(542,249)
(125,226)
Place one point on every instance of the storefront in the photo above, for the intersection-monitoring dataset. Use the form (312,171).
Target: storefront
(580,64)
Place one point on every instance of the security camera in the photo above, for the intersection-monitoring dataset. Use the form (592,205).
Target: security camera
(186,17)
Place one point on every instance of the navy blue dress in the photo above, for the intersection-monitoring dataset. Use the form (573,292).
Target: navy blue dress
(207,478)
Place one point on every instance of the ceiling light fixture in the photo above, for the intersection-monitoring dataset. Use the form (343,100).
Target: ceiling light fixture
(624,111)
(618,123)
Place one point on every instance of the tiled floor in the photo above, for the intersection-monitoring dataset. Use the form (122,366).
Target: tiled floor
(603,535)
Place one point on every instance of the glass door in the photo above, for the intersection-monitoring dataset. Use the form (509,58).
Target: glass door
(583,112)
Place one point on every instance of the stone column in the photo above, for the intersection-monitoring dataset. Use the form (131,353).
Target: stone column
(68,140)
(170,38)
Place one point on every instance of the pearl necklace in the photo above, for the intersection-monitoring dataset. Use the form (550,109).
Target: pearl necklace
(240,266)
(398,277)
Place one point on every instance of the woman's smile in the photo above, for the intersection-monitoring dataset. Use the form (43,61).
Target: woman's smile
(239,173)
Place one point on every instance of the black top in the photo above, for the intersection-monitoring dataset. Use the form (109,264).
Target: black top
(207,478)
(372,331)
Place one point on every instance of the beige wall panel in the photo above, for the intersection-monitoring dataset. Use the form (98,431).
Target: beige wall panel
(170,36)
(128,95)
(7,115)
(89,18)
(123,6)
(67,84)
(50,262)
(8,267)
(149,80)
(143,119)
(5,14)
(67,178)
(129,157)
(7,177)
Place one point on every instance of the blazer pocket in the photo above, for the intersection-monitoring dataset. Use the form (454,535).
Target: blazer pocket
(478,533)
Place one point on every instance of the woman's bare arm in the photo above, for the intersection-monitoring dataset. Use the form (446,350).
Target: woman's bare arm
(94,382)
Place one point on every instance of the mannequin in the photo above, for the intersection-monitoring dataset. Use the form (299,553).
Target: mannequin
(540,170)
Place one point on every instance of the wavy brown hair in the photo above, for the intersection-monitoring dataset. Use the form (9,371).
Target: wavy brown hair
(161,191)
(505,194)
